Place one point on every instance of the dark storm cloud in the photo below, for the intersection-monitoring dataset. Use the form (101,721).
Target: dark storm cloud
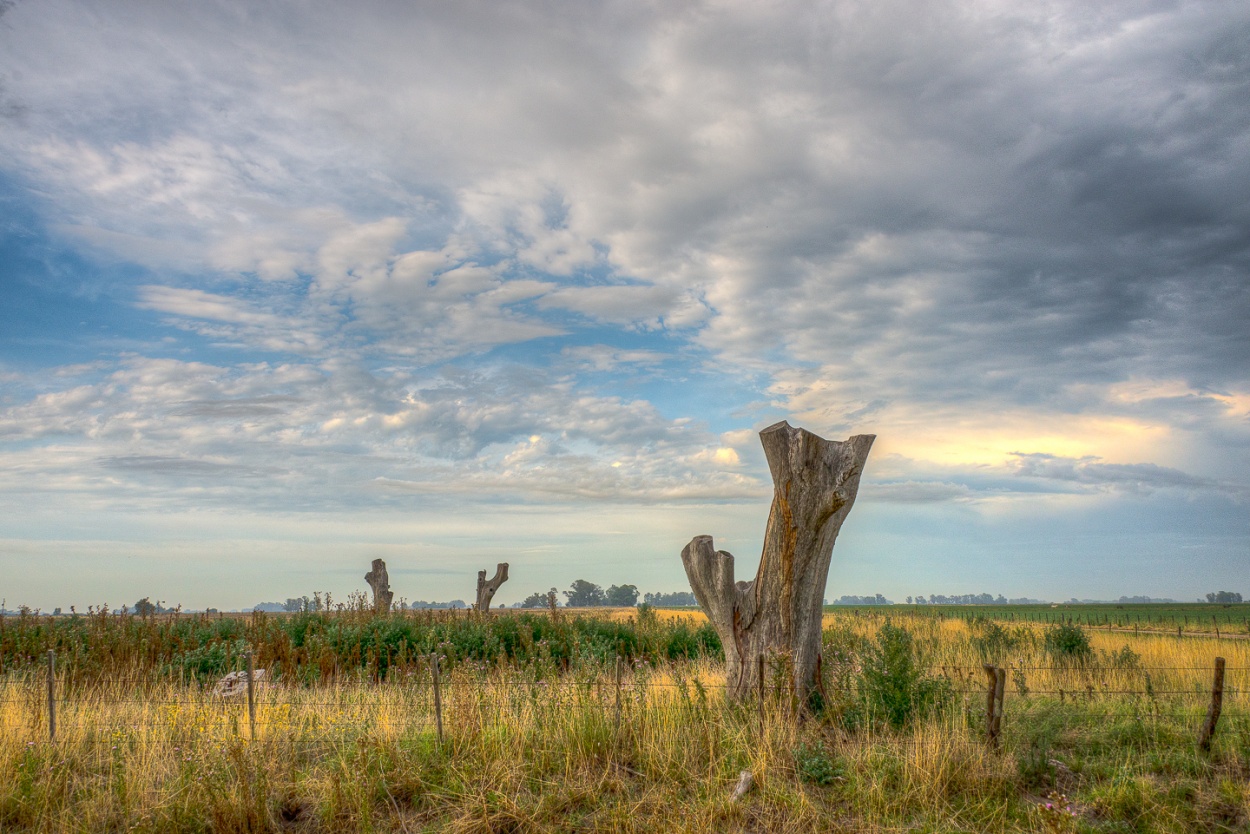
(1065,199)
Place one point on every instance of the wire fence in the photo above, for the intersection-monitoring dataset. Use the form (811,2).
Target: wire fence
(46,707)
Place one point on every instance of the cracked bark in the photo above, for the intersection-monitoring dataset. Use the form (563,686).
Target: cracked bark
(486,590)
(814,485)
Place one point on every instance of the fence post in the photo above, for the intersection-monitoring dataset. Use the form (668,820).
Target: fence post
(1000,687)
(989,701)
(618,695)
(1213,712)
(51,695)
(438,698)
(1217,626)
(996,682)
(251,695)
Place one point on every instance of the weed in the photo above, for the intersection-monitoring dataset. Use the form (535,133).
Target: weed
(896,684)
(814,764)
(1057,813)
(1067,642)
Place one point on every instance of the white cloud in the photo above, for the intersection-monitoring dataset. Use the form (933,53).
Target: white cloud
(178,432)
(974,230)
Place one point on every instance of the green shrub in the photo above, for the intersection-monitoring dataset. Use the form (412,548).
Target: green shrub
(1125,658)
(1067,642)
(814,764)
(992,641)
(895,682)
(211,661)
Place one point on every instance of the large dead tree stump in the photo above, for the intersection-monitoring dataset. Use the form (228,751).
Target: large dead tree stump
(381,585)
(486,589)
(814,486)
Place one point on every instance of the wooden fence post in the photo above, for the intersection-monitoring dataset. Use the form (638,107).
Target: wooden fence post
(1213,712)
(51,695)
(1217,626)
(438,698)
(996,680)
(1000,687)
(251,695)
(989,701)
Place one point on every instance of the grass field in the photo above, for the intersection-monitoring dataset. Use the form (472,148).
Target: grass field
(346,737)
(1191,618)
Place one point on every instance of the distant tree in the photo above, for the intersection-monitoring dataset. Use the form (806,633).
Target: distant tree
(963,599)
(670,600)
(851,599)
(1224,597)
(583,594)
(144,607)
(538,599)
(622,596)
(909,600)
(297,604)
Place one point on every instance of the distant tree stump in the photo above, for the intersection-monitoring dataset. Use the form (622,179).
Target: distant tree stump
(380,583)
(814,485)
(486,589)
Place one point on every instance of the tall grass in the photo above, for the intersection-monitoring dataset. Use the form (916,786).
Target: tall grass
(532,743)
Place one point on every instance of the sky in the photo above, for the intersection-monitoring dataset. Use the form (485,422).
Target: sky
(286,287)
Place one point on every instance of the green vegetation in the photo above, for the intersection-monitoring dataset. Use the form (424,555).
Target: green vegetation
(1067,642)
(533,740)
(318,646)
(895,683)
(1191,618)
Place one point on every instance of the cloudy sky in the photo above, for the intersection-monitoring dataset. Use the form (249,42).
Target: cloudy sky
(291,286)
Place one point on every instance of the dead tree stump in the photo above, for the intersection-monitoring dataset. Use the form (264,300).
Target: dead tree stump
(486,590)
(381,585)
(814,485)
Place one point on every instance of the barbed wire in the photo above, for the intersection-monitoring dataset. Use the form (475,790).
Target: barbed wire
(607,679)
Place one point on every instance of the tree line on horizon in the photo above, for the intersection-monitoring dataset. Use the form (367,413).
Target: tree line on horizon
(581,594)
(585,594)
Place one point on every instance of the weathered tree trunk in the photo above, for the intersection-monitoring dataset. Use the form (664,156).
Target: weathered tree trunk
(814,486)
(486,590)
(381,586)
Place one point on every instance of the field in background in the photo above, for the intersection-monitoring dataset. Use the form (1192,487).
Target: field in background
(1192,617)
(535,737)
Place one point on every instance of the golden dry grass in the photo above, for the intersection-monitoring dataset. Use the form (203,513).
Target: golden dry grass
(521,754)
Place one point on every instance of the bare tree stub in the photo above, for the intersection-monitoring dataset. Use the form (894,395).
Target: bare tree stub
(486,590)
(381,585)
(814,485)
